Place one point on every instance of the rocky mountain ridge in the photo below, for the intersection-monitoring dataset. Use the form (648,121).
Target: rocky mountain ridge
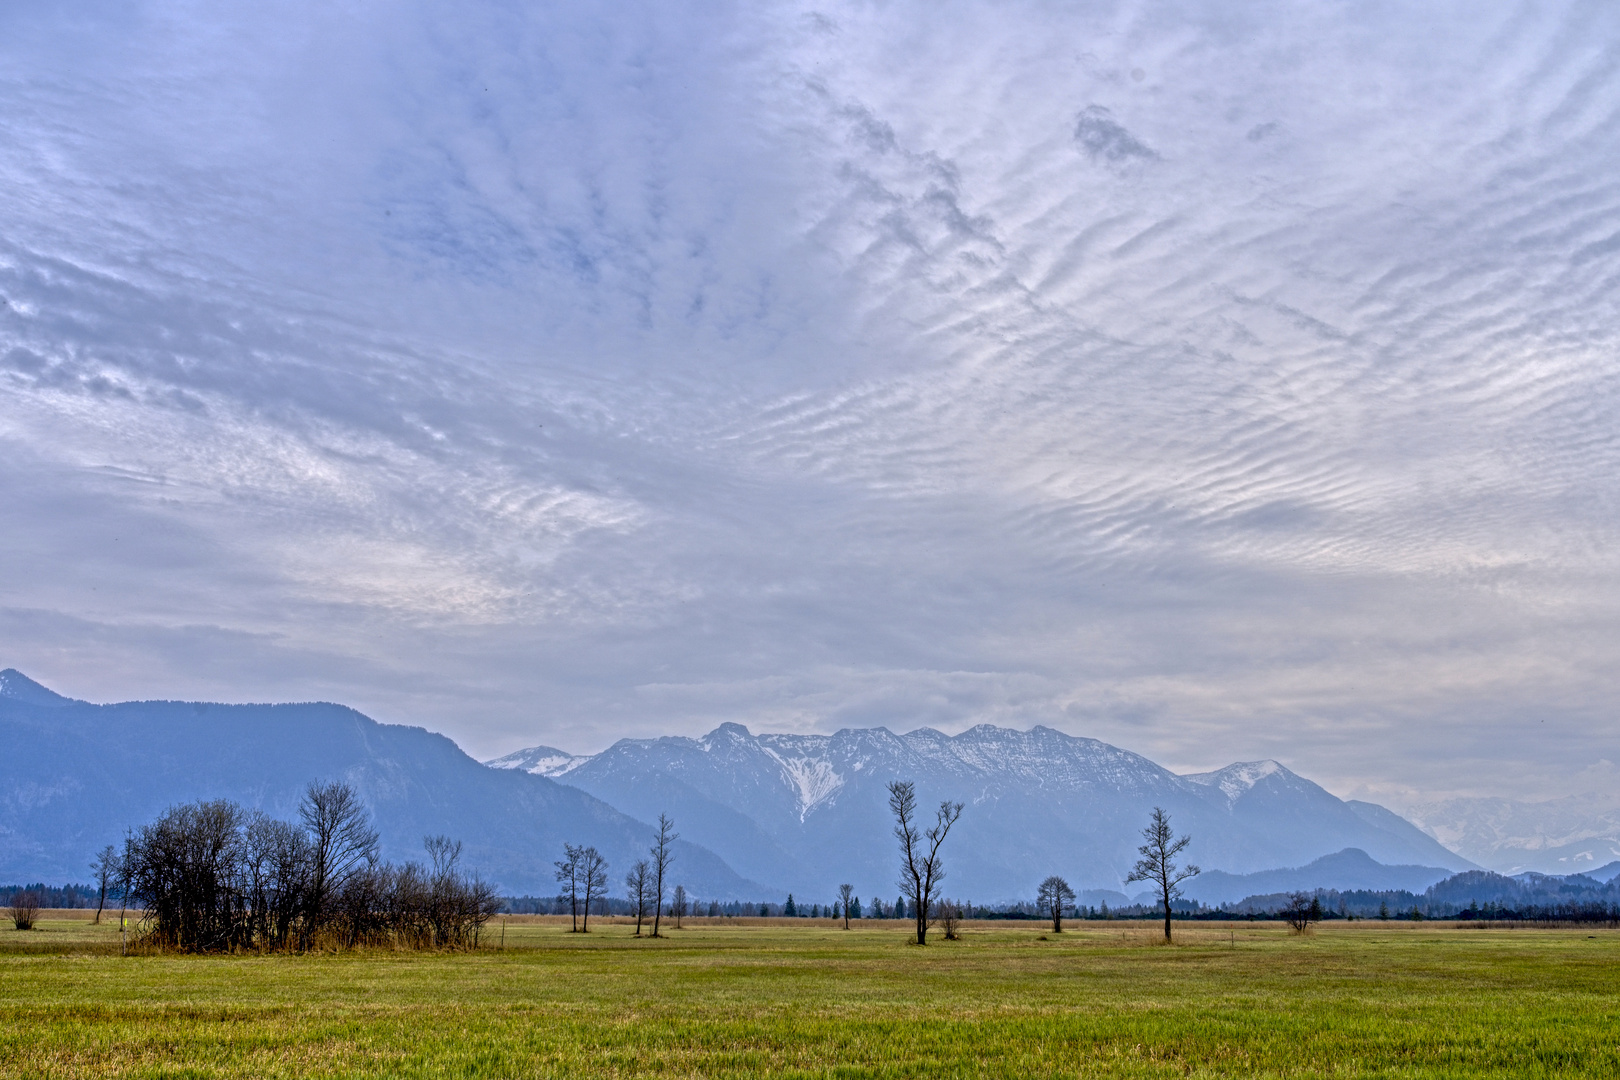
(809,810)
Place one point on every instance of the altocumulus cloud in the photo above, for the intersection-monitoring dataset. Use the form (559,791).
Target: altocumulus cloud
(1222,380)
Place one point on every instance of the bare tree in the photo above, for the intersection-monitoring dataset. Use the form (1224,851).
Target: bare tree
(123,899)
(24,909)
(950,919)
(637,884)
(677,906)
(593,876)
(281,857)
(183,871)
(105,867)
(443,853)
(662,856)
(341,838)
(846,895)
(921,868)
(1302,910)
(568,878)
(1158,865)
(1053,896)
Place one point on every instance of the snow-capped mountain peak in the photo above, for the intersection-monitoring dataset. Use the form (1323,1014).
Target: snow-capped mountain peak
(808,811)
(1238,779)
(541,761)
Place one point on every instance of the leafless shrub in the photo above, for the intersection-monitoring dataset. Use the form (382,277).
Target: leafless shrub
(24,909)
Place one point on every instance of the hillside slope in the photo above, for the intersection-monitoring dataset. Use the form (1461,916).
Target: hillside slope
(76,775)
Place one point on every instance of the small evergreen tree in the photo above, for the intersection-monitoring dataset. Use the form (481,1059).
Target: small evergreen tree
(790,911)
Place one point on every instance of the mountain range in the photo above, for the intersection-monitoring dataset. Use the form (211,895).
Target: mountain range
(75,776)
(760,815)
(1351,868)
(1571,835)
(809,811)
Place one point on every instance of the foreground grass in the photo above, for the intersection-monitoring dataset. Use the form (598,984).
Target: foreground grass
(810,1000)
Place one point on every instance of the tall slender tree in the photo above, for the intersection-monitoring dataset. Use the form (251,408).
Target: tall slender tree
(636,884)
(593,878)
(677,905)
(342,843)
(568,878)
(1158,864)
(105,867)
(846,896)
(663,855)
(921,868)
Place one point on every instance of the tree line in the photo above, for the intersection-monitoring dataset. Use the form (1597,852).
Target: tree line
(583,874)
(213,876)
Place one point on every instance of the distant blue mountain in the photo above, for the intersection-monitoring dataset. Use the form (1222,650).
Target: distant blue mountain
(1527,895)
(74,776)
(1351,868)
(19,688)
(761,815)
(809,811)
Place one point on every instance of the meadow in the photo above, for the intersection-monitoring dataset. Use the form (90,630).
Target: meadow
(800,998)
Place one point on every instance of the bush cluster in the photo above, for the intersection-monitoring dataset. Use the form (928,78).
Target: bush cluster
(213,876)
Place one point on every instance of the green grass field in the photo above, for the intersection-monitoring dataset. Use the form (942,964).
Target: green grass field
(1103,999)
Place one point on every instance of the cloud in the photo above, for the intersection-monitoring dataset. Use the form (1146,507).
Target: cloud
(1103,139)
(556,374)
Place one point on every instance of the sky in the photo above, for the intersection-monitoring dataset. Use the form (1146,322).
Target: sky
(1221,380)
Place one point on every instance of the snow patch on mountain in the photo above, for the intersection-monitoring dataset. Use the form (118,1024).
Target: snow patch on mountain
(1237,780)
(540,761)
(813,778)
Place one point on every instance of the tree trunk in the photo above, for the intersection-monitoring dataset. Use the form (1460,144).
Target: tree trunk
(1167,916)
